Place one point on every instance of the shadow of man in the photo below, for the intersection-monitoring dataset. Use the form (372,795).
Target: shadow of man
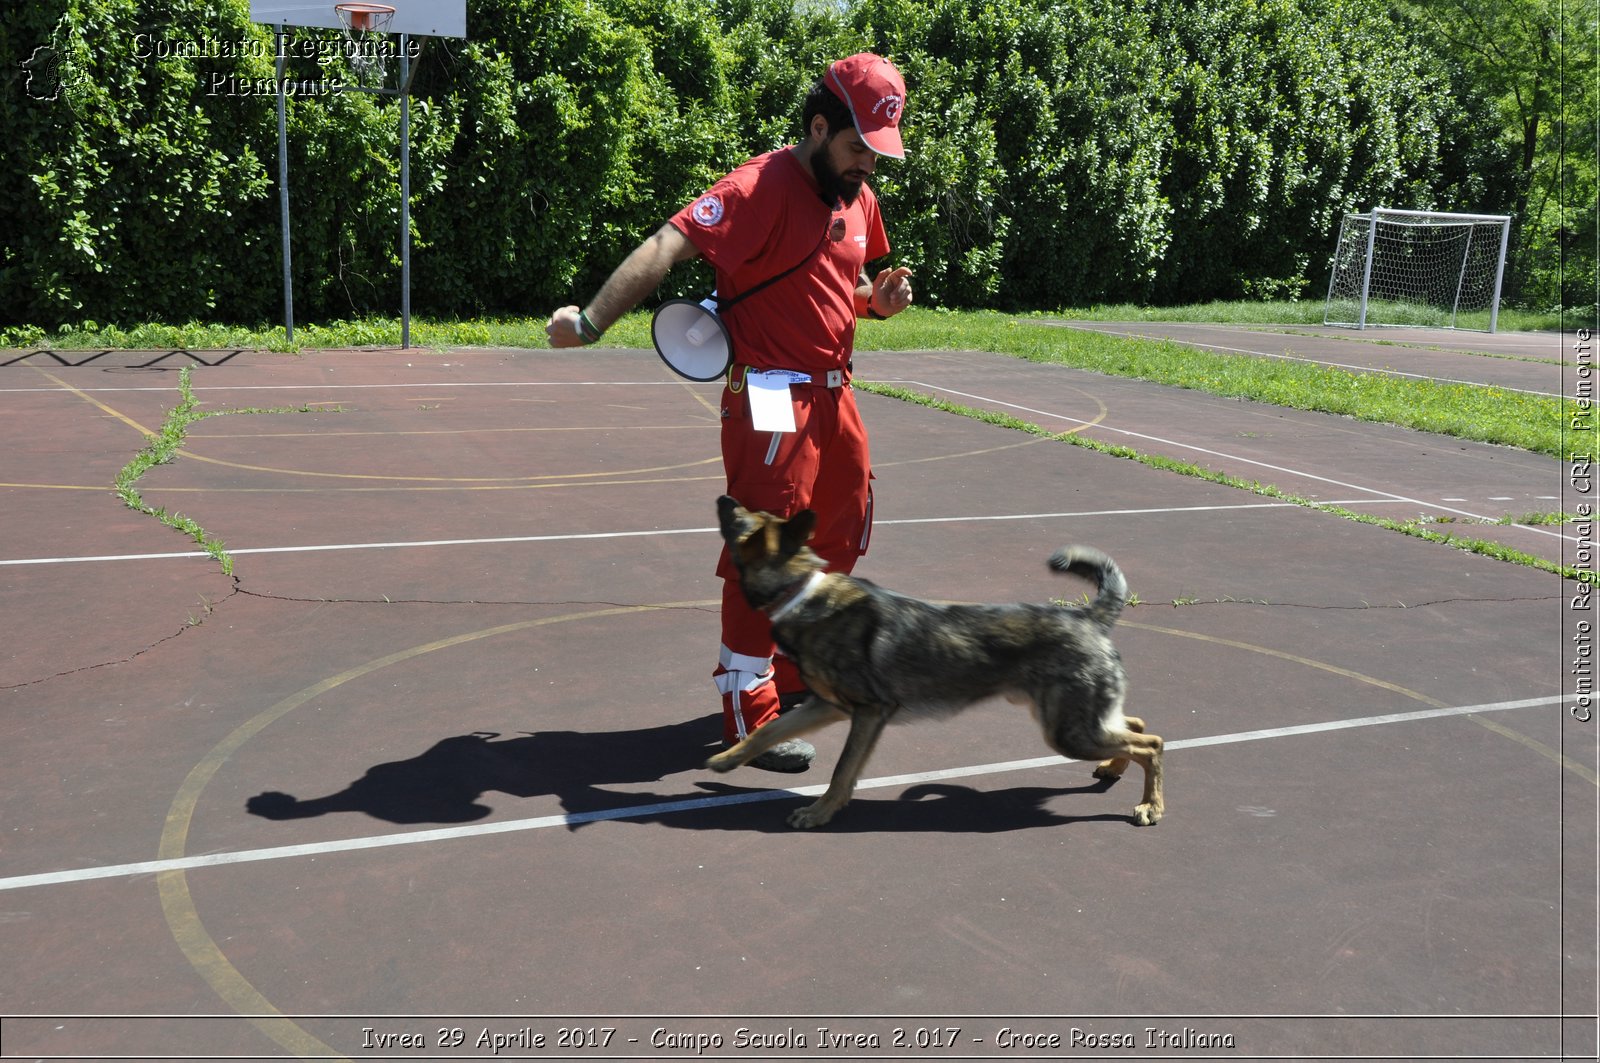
(445,783)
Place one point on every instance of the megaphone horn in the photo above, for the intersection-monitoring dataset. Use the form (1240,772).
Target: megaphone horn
(702,329)
(691,338)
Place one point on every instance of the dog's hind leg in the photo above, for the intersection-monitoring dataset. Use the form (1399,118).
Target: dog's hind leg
(1111,770)
(1143,750)
(1116,746)
(1146,750)
(865,726)
(810,716)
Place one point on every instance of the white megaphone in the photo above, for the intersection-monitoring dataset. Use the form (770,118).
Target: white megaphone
(691,338)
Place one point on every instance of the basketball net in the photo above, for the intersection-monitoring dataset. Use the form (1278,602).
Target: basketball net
(364,28)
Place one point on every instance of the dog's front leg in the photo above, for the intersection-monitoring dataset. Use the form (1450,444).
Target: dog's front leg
(866,724)
(808,717)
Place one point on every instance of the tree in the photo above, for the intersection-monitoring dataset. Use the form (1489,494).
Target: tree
(1535,61)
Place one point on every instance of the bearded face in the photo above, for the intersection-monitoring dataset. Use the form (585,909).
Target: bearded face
(841,165)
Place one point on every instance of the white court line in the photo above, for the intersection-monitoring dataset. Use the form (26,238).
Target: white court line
(1102,426)
(579,536)
(1384,495)
(1317,361)
(690,804)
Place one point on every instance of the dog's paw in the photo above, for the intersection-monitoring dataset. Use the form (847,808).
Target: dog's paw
(1110,770)
(1147,815)
(813,815)
(722,763)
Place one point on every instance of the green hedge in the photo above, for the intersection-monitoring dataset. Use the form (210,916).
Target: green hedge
(1059,153)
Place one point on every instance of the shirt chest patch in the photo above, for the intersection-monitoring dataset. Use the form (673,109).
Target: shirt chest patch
(839,233)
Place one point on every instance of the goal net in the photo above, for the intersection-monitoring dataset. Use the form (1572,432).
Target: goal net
(1419,269)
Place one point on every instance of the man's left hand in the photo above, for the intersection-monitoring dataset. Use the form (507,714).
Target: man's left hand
(891,291)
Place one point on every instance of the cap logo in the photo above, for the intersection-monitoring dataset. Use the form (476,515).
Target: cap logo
(891,107)
(707,210)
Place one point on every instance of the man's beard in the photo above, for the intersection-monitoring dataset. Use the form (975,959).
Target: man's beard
(831,184)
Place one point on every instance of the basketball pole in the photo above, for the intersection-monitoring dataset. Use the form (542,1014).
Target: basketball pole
(405,193)
(283,185)
(403,90)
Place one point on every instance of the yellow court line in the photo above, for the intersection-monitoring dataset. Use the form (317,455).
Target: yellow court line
(108,488)
(1553,755)
(956,455)
(963,454)
(91,400)
(362,476)
(710,406)
(177,904)
(454,431)
(515,480)
(102,407)
(220,973)
(208,959)
(1582,771)
(342,490)
(1293,657)
(1054,437)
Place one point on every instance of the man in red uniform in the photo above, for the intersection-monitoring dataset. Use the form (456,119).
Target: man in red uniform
(805,206)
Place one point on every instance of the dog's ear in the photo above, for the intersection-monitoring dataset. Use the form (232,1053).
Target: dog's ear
(734,519)
(797,532)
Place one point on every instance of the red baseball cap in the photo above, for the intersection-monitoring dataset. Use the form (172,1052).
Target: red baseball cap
(876,95)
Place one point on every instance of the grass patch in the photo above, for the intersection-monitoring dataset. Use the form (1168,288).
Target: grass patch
(370,332)
(1542,519)
(1484,414)
(1249,312)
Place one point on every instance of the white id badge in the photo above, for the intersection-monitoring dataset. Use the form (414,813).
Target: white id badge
(771,408)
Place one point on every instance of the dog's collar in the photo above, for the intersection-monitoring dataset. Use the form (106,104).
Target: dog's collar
(793,601)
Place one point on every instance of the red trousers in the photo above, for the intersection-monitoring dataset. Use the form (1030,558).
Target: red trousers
(822,466)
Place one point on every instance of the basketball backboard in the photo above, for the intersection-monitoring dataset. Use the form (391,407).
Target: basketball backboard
(426,18)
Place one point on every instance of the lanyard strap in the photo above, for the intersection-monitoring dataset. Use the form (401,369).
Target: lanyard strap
(724,305)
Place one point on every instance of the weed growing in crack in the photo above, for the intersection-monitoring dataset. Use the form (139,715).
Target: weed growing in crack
(162,447)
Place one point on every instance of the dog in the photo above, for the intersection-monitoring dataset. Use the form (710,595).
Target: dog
(868,654)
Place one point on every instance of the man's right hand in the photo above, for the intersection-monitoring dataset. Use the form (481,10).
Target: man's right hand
(638,275)
(563,328)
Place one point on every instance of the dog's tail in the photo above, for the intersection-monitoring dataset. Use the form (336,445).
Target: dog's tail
(1091,564)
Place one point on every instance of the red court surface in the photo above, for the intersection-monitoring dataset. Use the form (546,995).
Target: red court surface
(422,778)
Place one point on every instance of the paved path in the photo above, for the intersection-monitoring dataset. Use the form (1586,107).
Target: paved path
(433,749)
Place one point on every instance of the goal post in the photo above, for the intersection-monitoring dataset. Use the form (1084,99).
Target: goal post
(1418,269)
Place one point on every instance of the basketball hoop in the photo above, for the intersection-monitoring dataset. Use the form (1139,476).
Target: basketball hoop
(364,25)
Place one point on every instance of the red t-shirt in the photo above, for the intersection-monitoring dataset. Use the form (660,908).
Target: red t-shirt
(760,220)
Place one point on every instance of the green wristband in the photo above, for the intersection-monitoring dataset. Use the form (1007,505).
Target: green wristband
(587,330)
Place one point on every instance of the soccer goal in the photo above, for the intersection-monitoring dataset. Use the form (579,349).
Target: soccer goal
(1418,269)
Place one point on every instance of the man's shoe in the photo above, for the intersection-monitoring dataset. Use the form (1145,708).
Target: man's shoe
(790,758)
(792,700)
